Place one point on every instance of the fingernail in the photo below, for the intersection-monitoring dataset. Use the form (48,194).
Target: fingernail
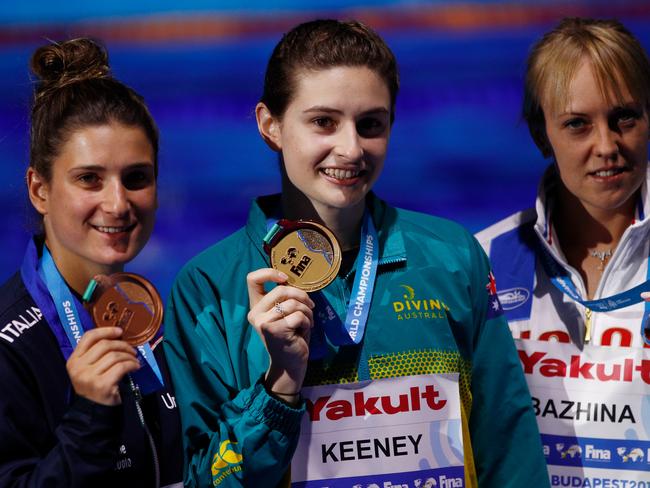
(283,276)
(645,295)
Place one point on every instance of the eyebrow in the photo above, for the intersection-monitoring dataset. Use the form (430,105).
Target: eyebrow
(99,167)
(325,109)
(625,106)
(89,167)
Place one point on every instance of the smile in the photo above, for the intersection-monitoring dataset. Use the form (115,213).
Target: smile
(609,172)
(341,174)
(113,230)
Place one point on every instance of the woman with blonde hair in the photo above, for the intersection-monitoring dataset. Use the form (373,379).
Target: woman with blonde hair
(572,271)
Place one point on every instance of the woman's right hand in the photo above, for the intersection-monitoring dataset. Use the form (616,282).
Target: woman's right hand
(99,362)
(283,318)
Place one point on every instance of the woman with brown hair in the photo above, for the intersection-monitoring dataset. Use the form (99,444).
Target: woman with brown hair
(72,408)
(380,322)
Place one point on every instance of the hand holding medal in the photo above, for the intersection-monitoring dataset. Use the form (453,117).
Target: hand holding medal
(128,301)
(127,312)
(305,256)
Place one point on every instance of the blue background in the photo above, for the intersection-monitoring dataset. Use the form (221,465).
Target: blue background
(458,148)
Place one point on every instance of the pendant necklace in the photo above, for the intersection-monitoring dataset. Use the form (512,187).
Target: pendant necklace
(603,256)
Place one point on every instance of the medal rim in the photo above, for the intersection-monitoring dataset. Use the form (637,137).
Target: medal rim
(290,226)
(156,321)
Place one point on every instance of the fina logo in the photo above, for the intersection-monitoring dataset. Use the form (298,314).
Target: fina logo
(513,297)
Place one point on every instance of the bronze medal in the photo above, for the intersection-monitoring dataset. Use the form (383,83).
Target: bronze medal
(307,252)
(131,302)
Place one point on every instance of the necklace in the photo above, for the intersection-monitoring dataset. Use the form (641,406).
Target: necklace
(602,255)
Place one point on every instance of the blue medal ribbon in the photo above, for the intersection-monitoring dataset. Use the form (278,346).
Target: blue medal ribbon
(328,325)
(67,317)
(562,282)
(352,331)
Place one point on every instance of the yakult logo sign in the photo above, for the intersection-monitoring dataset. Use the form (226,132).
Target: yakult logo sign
(362,405)
(577,367)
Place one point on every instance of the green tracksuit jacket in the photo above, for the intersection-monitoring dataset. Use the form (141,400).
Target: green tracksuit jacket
(235,434)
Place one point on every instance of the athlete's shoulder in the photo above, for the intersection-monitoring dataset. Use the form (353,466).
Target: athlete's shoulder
(419,225)
(219,255)
(514,221)
(18,311)
(12,292)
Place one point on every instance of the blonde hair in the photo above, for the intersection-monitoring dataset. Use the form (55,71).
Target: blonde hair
(618,61)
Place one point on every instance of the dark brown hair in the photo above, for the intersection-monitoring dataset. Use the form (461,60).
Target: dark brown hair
(75,89)
(618,61)
(322,44)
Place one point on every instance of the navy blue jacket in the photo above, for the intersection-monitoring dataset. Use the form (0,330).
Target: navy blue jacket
(51,437)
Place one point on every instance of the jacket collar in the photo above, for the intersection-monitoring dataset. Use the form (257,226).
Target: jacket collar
(267,209)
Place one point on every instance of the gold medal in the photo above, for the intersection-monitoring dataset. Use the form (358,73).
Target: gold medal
(128,301)
(307,252)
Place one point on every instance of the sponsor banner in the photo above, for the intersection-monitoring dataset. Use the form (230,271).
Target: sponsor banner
(430,478)
(597,453)
(592,408)
(378,430)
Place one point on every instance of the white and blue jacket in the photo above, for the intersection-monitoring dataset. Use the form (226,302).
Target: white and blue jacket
(535,308)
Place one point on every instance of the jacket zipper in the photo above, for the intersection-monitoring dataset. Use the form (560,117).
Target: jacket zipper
(137,395)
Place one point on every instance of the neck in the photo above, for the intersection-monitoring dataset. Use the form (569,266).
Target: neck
(345,223)
(77,272)
(584,227)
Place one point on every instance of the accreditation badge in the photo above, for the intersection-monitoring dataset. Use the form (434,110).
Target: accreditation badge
(593,412)
(128,301)
(307,252)
(384,433)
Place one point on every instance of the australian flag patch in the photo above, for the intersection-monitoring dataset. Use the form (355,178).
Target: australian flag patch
(494,305)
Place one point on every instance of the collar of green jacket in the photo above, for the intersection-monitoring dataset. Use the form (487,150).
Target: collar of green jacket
(391,242)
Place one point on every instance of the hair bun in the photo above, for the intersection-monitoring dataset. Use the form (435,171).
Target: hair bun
(60,64)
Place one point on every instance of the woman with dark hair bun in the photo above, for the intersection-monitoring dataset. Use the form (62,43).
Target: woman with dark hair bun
(382,323)
(80,406)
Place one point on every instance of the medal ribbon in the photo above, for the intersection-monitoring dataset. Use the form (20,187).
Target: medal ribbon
(47,286)
(64,301)
(562,282)
(326,320)
(352,331)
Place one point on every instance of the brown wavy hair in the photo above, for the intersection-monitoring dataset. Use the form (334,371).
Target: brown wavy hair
(75,89)
(323,44)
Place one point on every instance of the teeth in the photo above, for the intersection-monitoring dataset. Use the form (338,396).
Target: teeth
(610,172)
(111,230)
(340,174)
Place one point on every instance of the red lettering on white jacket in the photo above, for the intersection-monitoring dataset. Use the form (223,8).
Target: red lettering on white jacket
(542,364)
